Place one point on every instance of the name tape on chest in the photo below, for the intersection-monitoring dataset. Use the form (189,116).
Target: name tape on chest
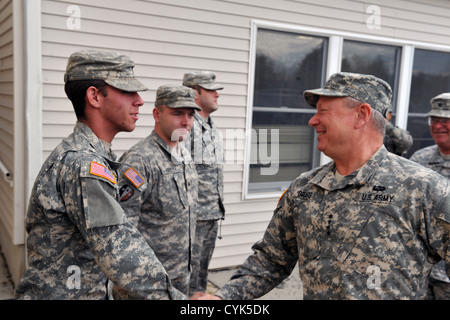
(100,170)
(376,196)
(134,177)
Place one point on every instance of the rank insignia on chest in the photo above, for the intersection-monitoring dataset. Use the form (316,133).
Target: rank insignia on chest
(134,177)
(101,171)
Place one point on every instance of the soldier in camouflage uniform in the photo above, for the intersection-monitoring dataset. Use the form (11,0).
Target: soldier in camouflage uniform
(368,225)
(78,235)
(437,157)
(207,152)
(159,185)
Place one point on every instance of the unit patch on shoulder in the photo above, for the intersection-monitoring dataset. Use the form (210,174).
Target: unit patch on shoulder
(125,193)
(101,171)
(134,177)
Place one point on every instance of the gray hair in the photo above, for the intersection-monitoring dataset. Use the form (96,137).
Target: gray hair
(377,119)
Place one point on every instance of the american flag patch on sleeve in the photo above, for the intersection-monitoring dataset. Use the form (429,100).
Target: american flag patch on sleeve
(134,177)
(101,171)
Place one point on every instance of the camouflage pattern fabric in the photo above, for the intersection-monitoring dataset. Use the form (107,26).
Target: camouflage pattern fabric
(365,88)
(206,145)
(440,106)
(159,194)
(176,96)
(430,157)
(375,234)
(74,222)
(113,68)
(202,251)
(397,140)
(204,79)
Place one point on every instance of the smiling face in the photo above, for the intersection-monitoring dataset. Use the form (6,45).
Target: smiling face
(334,124)
(440,131)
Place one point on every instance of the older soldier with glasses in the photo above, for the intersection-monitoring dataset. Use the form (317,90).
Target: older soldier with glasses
(437,157)
(367,225)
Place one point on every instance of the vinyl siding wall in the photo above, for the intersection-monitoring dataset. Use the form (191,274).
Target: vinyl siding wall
(6,114)
(167,38)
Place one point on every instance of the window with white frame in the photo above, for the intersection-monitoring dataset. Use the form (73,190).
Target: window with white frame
(288,60)
(286,64)
(430,77)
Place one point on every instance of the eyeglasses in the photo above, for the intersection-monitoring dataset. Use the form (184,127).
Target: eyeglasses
(434,120)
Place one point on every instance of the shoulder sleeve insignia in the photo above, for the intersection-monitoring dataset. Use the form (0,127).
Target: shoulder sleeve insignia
(281,197)
(134,177)
(101,171)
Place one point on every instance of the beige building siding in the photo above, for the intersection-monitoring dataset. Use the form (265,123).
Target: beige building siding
(6,116)
(167,38)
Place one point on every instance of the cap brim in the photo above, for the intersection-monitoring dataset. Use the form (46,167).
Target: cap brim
(212,86)
(128,84)
(439,113)
(184,104)
(312,96)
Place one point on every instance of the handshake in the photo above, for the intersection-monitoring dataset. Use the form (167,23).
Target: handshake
(204,296)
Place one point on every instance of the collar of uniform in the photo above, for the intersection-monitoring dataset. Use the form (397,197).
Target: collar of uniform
(102,148)
(326,177)
(206,123)
(170,151)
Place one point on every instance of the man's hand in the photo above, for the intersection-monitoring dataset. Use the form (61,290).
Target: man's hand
(204,296)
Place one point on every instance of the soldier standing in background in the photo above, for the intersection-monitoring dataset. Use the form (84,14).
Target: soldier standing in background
(437,158)
(368,225)
(159,184)
(78,235)
(207,152)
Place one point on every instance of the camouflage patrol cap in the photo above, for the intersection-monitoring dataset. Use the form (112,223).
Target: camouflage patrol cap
(440,106)
(113,68)
(204,79)
(176,96)
(365,88)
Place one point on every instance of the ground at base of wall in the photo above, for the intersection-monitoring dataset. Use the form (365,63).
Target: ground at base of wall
(6,286)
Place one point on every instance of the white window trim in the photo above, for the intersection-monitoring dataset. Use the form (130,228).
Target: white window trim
(334,58)
(27,108)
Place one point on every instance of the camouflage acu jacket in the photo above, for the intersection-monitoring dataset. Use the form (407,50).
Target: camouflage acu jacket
(78,235)
(431,158)
(206,147)
(159,194)
(397,140)
(373,235)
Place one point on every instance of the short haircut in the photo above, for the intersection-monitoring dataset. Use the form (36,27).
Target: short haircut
(377,119)
(76,92)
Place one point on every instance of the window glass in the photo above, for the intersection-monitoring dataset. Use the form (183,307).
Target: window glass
(430,77)
(286,65)
(382,61)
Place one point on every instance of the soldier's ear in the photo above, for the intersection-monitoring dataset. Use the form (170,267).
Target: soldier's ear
(156,112)
(364,112)
(93,97)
